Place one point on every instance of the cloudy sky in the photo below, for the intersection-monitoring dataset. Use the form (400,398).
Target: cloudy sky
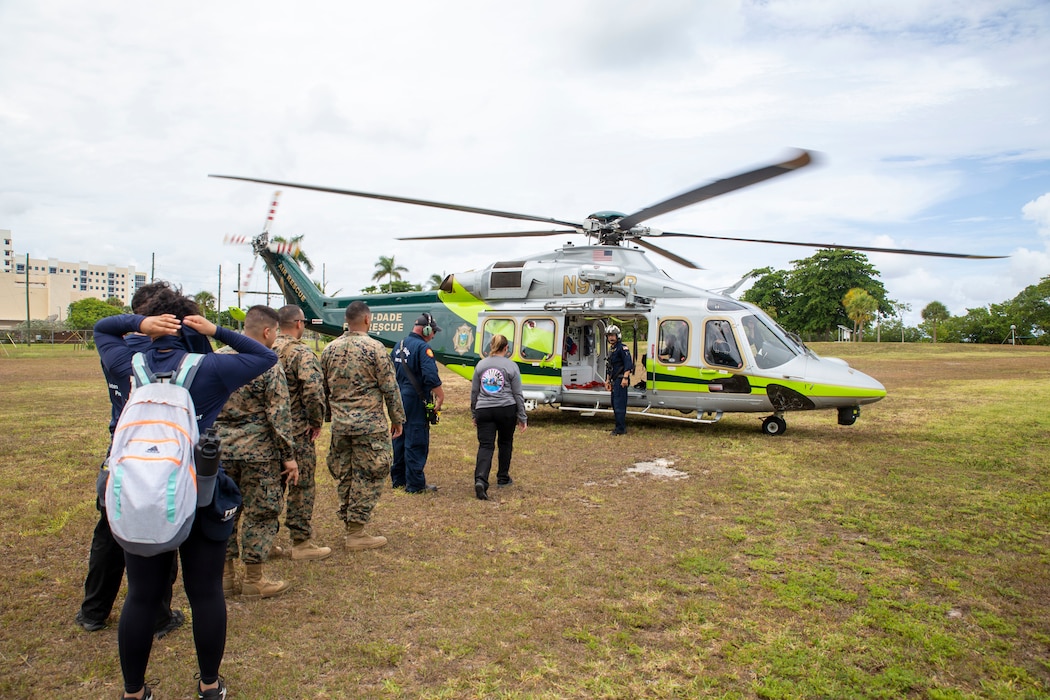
(932,118)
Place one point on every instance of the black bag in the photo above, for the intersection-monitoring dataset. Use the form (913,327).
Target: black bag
(218,516)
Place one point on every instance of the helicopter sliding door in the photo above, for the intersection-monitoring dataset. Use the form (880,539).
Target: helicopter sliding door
(583,361)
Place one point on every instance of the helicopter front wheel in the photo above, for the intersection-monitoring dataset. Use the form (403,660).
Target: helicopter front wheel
(774,425)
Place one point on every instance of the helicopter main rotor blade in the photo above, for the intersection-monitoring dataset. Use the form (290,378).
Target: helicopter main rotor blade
(716,188)
(405,200)
(501,234)
(667,254)
(870,249)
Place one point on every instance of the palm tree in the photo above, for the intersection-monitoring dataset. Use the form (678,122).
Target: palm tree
(386,267)
(299,256)
(206,300)
(322,287)
(934,314)
(861,308)
(435,280)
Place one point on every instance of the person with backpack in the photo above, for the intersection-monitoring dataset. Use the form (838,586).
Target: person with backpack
(203,556)
(106,558)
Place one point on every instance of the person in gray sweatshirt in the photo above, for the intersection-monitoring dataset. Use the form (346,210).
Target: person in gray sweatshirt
(496,404)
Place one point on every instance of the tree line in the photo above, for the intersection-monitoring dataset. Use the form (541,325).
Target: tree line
(817,296)
(840,288)
(83,314)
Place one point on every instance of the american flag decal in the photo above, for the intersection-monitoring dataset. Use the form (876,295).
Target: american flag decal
(599,256)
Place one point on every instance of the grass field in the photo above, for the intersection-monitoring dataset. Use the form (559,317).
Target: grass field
(905,556)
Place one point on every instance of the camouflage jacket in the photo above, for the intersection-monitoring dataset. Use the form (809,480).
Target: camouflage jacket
(255,424)
(358,379)
(302,371)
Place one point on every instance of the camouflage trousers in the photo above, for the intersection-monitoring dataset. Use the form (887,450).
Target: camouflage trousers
(260,484)
(299,498)
(359,464)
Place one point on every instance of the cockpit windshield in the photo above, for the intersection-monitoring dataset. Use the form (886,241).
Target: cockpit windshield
(771,346)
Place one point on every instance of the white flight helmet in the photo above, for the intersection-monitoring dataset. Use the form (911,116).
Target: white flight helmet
(613,330)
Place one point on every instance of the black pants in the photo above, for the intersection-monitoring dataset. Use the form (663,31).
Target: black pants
(202,563)
(106,571)
(492,422)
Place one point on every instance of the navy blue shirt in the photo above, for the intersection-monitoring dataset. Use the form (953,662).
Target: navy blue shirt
(218,374)
(120,385)
(414,355)
(619,362)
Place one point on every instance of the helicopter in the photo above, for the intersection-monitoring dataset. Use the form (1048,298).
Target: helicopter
(699,354)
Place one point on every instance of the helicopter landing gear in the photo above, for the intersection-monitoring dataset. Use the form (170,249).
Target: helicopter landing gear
(848,414)
(774,425)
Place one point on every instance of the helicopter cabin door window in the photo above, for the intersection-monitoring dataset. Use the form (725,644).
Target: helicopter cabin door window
(497,326)
(537,339)
(720,348)
(673,341)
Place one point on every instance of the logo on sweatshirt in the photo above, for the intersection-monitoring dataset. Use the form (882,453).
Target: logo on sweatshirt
(492,380)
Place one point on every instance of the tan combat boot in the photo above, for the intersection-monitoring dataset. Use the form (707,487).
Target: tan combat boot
(307,550)
(357,540)
(230,585)
(277,551)
(255,586)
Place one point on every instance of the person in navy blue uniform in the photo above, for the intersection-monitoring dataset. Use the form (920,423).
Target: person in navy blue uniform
(618,368)
(414,360)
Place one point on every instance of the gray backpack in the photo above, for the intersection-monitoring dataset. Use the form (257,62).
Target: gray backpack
(151,492)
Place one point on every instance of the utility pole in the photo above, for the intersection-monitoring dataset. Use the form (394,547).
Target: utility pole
(29,326)
(218,299)
(153,267)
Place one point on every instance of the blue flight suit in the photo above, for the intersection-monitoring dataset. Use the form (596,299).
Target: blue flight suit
(619,364)
(413,354)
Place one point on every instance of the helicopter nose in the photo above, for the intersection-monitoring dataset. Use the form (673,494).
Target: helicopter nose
(849,383)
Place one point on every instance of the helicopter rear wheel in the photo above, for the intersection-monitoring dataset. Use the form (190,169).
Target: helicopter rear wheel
(774,425)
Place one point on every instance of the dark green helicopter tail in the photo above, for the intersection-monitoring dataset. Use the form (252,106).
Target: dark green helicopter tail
(392,314)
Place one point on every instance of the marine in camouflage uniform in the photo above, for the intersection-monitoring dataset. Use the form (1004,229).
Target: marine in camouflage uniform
(256,431)
(302,371)
(359,379)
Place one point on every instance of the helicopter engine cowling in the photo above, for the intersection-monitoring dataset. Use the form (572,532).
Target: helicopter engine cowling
(608,274)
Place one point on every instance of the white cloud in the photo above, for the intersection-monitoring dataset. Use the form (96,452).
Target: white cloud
(111,115)
(1038,211)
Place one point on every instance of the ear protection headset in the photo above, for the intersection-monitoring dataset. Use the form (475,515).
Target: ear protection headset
(428,328)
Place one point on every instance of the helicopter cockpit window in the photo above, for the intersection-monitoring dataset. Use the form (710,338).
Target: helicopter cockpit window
(537,339)
(720,347)
(768,349)
(497,326)
(673,342)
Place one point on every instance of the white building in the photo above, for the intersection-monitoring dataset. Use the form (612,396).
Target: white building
(55,284)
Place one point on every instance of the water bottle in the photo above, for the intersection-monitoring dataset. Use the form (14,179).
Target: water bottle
(206,453)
